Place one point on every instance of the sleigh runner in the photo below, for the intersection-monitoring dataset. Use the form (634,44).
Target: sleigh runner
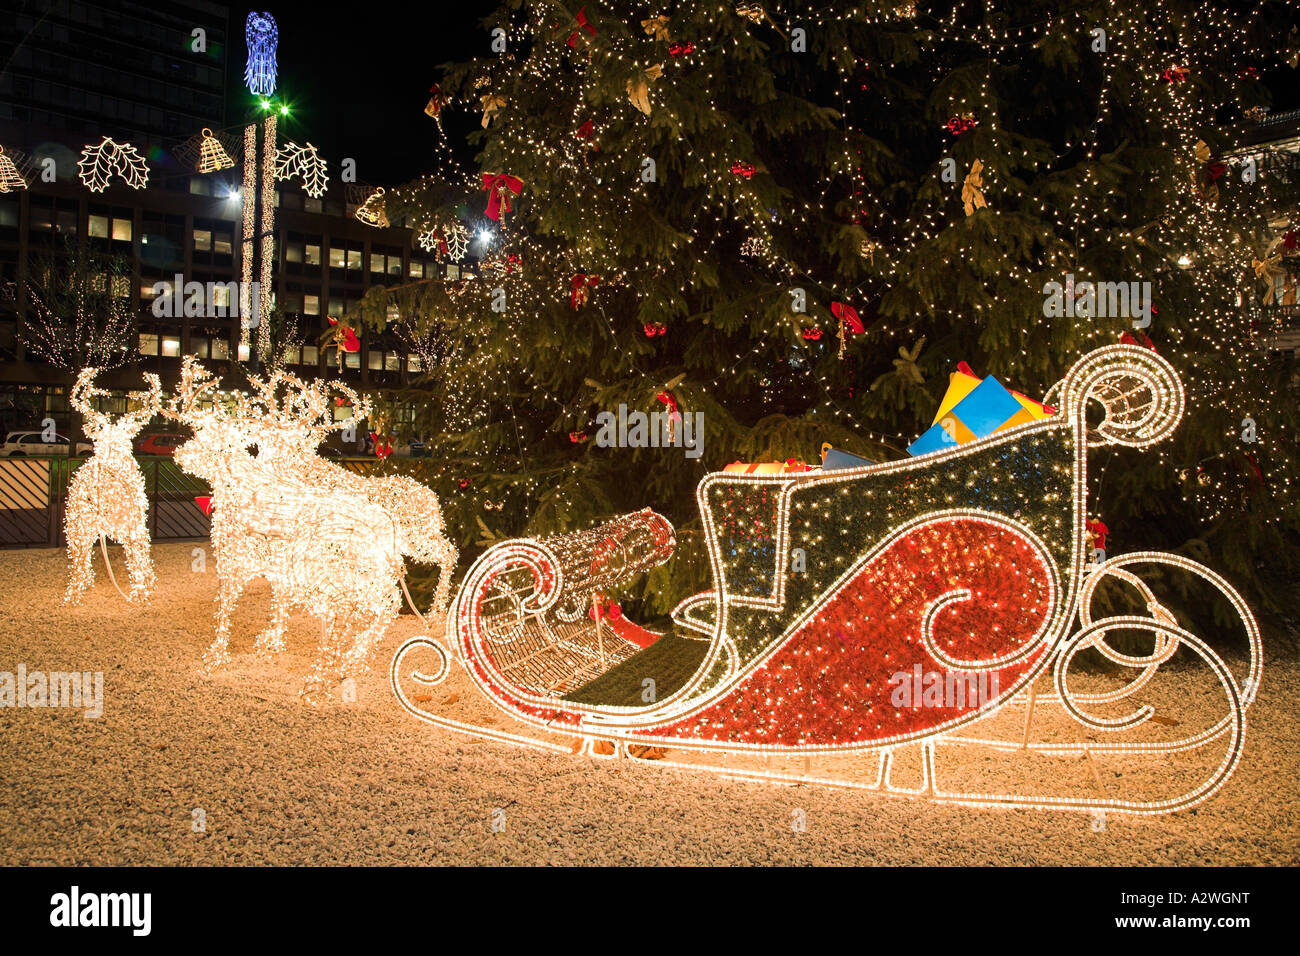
(967,568)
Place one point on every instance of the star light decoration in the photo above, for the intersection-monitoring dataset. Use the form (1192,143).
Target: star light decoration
(329,542)
(965,576)
(303,161)
(106,495)
(99,163)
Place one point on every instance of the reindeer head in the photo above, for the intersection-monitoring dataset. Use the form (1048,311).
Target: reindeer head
(113,436)
(221,436)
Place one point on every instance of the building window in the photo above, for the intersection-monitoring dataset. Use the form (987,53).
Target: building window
(376,262)
(310,355)
(171,346)
(312,255)
(202,240)
(293,252)
(336,308)
(375,361)
(416,270)
(200,346)
(97,227)
(392,362)
(122,230)
(220,349)
(352,359)
(310,204)
(414,364)
(221,243)
(338,257)
(354,259)
(148,344)
(311,305)
(200,187)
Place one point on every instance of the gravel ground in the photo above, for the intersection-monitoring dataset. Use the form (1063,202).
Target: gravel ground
(364,783)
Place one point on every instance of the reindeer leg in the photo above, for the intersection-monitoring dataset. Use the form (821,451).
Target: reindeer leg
(218,653)
(139,564)
(81,566)
(359,659)
(271,641)
(315,688)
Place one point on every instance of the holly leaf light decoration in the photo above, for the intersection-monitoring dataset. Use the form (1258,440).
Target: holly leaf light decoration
(303,161)
(100,163)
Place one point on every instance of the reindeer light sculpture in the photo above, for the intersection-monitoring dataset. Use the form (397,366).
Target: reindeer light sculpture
(106,496)
(288,432)
(323,544)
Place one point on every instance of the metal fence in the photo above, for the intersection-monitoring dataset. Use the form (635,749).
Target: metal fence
(34,492)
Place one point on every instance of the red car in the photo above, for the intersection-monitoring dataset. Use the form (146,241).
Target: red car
(159,443)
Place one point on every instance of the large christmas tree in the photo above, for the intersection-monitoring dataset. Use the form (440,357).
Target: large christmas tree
(799,222)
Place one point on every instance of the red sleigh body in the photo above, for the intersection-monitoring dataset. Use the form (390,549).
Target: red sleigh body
(857,610)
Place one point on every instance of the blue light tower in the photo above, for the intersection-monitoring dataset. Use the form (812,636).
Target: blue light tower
(261,35)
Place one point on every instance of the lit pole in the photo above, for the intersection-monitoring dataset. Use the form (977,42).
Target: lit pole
(258,234)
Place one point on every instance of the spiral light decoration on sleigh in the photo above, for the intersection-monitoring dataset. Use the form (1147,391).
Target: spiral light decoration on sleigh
(1141,394)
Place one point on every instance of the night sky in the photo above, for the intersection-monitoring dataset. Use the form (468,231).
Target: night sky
(358,84)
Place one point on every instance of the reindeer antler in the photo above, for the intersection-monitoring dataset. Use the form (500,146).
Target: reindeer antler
(196,381)
(83,395)
(150,401)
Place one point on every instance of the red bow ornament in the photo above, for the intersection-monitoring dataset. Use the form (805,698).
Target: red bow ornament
(847,316)
(383,447)
(582,25)
(745,170)
(350,341)
(674,416)
(579,287)
(1129,339)
(811,333)
(498,186)
(652,329)
(436,102)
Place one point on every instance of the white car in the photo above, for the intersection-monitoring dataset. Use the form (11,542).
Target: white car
(32,444)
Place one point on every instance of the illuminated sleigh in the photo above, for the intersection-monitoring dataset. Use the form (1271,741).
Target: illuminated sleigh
(908,628)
